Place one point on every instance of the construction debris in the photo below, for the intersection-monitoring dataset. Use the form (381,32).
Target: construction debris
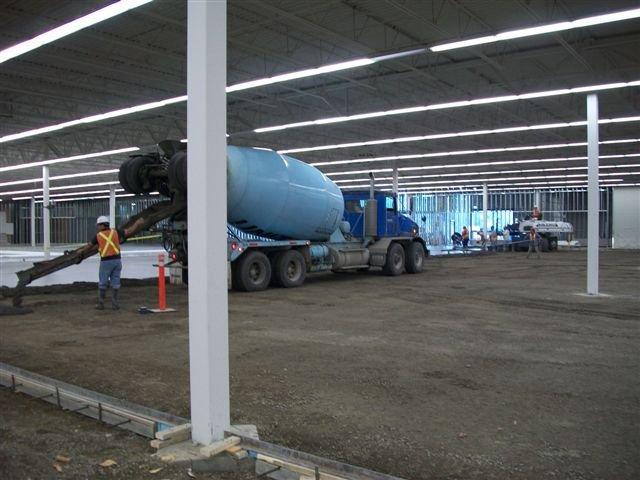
(218,447)
(179,433)
(108,463)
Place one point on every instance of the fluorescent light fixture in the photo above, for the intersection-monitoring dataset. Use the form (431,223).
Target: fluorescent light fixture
(59,177)
(540,30)
(324,69)
(456,104)
(468,152)
(99,197)
(72,194)
(495,172)
(285,77)
(468,133)
(84,156)
(565,186)
(240,86)
(70,27)
(482,164)
(93,118)
(421,184)
(571,186)
(63,187)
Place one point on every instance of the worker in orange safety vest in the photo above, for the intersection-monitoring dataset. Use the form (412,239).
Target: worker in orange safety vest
(465,237)
(109,242)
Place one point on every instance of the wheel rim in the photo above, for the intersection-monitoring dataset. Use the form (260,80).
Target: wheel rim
(292,271)
(417,259)
(256,273)
(397,260)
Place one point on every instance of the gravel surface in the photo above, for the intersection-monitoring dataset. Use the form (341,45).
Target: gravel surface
(485,367)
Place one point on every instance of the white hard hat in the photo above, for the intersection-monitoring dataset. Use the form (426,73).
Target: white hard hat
(102,219)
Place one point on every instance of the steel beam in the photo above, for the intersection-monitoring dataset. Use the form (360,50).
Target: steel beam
(395,180)
(207,216)
(32,222)
(112,206)
(46,214)
(485,202)
(593,195)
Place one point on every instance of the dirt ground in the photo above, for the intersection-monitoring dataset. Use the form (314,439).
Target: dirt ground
(486,367)
(33,434)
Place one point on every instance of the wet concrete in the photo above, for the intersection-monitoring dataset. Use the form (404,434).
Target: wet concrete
(137,262)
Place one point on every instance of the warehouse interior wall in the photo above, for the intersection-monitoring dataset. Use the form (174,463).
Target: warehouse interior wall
(439,215)
(626,218)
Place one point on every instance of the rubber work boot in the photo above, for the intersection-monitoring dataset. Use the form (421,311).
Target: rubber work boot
(101,294)
(115,305)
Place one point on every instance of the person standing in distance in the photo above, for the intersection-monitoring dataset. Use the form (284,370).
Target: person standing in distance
(109,241)
(465,237)
(534,242)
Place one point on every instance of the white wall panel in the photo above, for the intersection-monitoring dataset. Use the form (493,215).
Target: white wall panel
(626,217)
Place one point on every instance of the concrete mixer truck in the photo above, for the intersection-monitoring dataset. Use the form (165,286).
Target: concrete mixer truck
(285,218)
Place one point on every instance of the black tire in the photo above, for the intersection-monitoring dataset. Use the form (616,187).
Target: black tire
(251,272)
(134,178)
(414,257)
(394,264)
(122,176)
(177,172)
(185,275)
(544,245)
(289,269)
(553,244)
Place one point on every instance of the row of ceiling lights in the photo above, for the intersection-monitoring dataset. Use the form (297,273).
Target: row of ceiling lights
(481,164)
(378,181)
(603,121)
(128,4)
(356,172)
(329,120)
(426,190)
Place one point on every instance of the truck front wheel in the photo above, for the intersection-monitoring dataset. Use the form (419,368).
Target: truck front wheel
(414,253)
(394,264)
(289,269)
(251,272)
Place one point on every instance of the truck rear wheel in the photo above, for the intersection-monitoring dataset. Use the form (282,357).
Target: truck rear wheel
(394,264)
(289,269)
(177,172)
(553,244)
(545,245)
(414,257)
(131,175)
(251,272)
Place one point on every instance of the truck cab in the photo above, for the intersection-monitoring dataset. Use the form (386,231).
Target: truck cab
(390,223)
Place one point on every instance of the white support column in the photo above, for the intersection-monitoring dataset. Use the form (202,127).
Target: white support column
(593,195)
(395,180)
(207,217)
(33,222)
(485,203)
(46,217)
(537,200)
(112,206)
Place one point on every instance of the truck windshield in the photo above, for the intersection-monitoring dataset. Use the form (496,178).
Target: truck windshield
(354,206)
(390,204)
